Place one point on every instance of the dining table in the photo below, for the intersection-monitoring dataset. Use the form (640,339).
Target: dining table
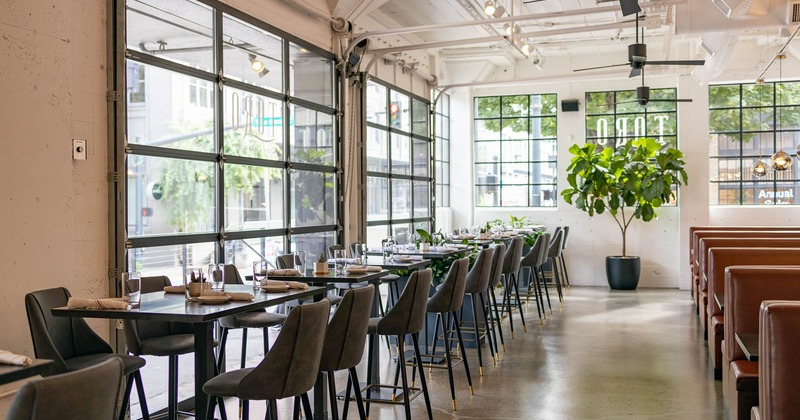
(12,373)
(172,307)
(748,342)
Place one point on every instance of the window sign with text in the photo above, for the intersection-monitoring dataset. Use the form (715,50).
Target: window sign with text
(613,118)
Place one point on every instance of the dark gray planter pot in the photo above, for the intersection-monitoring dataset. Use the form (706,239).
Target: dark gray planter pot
(622,273)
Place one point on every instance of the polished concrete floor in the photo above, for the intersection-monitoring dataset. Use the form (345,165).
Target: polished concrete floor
(605,355)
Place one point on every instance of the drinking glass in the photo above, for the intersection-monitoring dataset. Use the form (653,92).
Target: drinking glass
(299,261)
(216,275)
(340,260)
(193,283)
(259,274)
(131,286)
(388,248)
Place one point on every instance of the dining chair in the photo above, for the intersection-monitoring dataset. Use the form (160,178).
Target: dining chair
(476,284)
(562,258)
(161,338)
(88,393)
(444,303)
(254,319)
(538,268)
(553,254)
(73,345)
(511,282)
(533,287)
(289,370)
(344,344)
(406,317)
(494,280)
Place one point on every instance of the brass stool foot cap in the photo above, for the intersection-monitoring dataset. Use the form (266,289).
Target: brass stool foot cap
(471,391)
(454,405)
(480,369)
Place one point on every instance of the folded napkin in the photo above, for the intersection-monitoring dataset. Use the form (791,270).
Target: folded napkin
(373,268)
(283,272)
(242,296)
(346,260)
(278,284)
(107,303)
(174,289)
(8,358)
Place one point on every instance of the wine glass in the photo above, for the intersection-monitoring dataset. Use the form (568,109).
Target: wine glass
(216,276)
(259,275)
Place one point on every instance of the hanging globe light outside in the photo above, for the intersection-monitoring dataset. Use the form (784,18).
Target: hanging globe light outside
(760,168)
(781,161)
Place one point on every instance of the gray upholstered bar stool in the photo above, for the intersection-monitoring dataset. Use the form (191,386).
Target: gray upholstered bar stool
(534,289)
(561,257)
(407,316)
(553,254)
(289,370)
(477,282)
(444,303)
(537,271)
(73,345)
(88,393)
(344,344)
(511,282)
(494,279)
(161,338)
(254,319)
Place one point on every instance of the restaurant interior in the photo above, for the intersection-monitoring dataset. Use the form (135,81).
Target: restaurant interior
(278,190)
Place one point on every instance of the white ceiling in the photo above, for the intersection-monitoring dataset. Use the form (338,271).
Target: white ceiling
(593,33)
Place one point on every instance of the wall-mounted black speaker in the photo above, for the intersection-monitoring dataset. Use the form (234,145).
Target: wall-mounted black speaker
(569,105)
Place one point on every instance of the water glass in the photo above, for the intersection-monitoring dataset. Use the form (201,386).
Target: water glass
(259,275)
(299,261)
(216,275)
(388,248)
(340,261)
(131,286)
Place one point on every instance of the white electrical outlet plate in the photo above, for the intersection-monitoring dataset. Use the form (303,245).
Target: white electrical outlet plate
(78,149)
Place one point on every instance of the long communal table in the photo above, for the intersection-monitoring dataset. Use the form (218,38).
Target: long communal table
(160,306)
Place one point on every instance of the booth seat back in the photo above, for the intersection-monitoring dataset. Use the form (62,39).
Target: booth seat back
(739,233)
(746,240)
(693,242)
(780,372)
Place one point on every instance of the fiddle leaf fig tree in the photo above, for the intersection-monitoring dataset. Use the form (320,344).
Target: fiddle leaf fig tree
(630,182)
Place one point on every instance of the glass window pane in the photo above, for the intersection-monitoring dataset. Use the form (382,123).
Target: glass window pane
(544,150)
(376,103)
(313,244)
(421,159)
(175,30)
(600,102)
(723,96)
(172,121)
(377,150)
(171,260)
(543,196)
(514,195)
(784,193)
(514,151)
(724,120)
(312,199)
(445,173)
(515,106)
(403,233)
(487,129)
(543,127)
(487,173)
(488,196)
(401,151)
(401,199)
(543,173)
(243,252)
(252,55)
(757,119)
(377,198)
(398,111)
(726,169)
(515,128)
(789,117)
(375,234)
(310,76)
(422,199)
(487,107)
(420,117)
(168,196)
(600,126)
(514,173)
(756,94)
(254,198)
(312,139)
(253,125)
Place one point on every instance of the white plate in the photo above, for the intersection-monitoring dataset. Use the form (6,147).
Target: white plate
(213,300)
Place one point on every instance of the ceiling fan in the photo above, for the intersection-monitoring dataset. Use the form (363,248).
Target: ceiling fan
(643,96)
(637,56)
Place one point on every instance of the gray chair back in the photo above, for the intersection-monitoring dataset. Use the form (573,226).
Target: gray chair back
(347,330)
(334,247)
(285,261)
(136,330)
(356,250)
(543,250)
(530,259)
(450,294)
(556,244)
(232,275)
(89,393)
(497,264)
(59,338)
(408,314)
(291,366)
(513,256)
(481,272)
(566,237)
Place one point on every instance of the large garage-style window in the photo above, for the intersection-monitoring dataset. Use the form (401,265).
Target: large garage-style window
(515,151)
(399,179)
(747,123)
(232,144)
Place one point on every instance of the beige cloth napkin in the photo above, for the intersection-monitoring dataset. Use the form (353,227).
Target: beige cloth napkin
(372,268)
(8,358)
(282,286)
(107,303)
(174,289)
(240,296)
(283,272)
